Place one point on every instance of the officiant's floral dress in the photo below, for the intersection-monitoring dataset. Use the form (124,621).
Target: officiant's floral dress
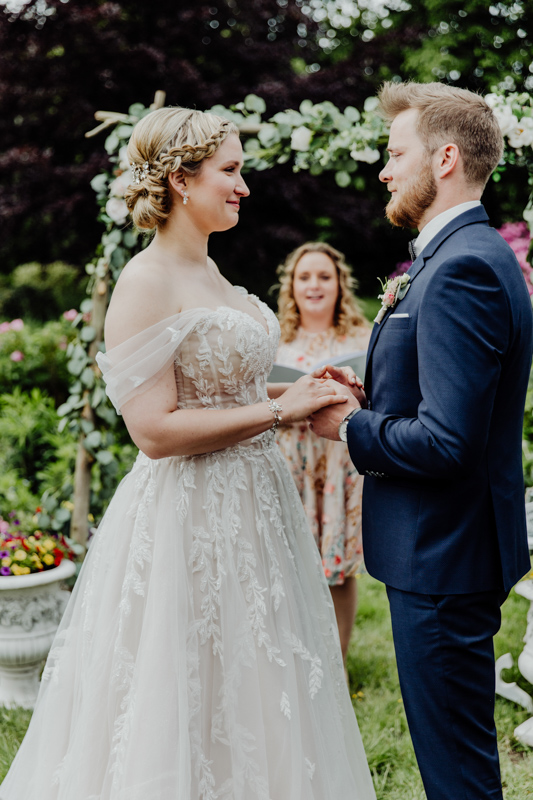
(325,477)
(198,658)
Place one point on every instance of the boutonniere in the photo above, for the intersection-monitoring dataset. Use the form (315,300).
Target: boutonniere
(393,290)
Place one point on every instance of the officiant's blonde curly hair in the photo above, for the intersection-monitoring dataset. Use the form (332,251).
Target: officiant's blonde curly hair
(168,140)
(348,313)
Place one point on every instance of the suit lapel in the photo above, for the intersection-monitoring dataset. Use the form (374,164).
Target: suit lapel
(477,214)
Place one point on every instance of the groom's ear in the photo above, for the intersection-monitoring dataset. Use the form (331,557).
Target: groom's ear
(447,159)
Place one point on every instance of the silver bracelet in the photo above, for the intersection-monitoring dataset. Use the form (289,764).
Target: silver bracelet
(276,409)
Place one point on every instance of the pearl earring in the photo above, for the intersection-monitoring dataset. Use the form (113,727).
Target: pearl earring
(185,198)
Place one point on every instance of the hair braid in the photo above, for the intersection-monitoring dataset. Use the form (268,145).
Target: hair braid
(169,139)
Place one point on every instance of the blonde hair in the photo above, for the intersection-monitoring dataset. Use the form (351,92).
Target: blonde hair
(348,313)
(448,114)
(168,140)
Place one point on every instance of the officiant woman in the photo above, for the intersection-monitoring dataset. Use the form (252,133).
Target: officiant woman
(320,318)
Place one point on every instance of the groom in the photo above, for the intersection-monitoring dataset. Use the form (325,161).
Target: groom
(440,442)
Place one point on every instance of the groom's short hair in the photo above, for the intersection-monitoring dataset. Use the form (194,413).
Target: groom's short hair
(447,114)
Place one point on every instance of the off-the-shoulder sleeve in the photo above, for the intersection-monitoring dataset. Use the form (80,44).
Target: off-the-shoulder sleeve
(136,365)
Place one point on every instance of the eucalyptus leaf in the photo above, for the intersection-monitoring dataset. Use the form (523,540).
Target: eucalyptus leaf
(254,103)
(87,426)
(87,334)
(87,377)
(130,238)
(114,236)
(93,440)
(104,457)
(62,515)
(99,184)
(342,179)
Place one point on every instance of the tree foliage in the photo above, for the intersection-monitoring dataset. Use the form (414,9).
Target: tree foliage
(57,70)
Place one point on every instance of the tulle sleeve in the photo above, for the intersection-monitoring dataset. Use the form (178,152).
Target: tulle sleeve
(136,365)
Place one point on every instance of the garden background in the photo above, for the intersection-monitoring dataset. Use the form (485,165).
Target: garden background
(63,60)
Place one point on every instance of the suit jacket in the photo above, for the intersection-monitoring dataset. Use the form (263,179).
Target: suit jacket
(441,445)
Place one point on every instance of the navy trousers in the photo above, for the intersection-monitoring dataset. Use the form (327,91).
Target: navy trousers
(445,657)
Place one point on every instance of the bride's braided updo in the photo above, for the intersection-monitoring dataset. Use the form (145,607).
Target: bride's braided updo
(165,141)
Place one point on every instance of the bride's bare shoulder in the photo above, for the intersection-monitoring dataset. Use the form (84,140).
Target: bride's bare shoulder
(142,296)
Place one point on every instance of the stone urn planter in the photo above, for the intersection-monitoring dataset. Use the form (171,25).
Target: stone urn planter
(31,607)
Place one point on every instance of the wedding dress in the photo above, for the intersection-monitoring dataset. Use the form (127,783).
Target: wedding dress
(198,658)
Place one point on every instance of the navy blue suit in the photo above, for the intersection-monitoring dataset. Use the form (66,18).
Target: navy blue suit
(443,502)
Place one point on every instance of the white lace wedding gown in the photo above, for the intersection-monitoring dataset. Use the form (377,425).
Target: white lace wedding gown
(198,658)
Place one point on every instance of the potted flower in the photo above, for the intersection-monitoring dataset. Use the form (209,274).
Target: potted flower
(32,566)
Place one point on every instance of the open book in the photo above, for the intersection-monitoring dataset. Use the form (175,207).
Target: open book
(355,360)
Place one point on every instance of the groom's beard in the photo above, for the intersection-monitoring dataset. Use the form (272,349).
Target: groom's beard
(407,211)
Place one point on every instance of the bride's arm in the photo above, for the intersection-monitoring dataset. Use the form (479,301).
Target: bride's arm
(161,430)
(275,390)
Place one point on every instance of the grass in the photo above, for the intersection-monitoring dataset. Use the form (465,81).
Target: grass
(377,701)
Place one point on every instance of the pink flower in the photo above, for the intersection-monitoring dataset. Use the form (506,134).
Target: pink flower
(5,327)
(70,315)
(16,325)
(388,298)
(62,344)
(16,355)
(4,526)
(401,267)
(87,316)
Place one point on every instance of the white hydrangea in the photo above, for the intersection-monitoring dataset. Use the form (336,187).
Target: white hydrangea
(367,154)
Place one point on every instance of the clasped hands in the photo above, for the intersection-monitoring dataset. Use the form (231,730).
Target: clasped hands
(326,421)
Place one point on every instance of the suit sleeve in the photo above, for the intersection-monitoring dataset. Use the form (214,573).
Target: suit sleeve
(463,331)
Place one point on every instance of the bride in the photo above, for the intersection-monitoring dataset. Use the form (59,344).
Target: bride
(198,658)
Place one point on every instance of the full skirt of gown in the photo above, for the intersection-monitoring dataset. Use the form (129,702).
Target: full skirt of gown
(198,658)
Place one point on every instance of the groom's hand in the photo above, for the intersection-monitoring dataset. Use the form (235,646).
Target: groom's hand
(326,422)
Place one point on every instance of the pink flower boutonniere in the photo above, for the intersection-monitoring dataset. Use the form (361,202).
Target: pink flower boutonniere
(394,290)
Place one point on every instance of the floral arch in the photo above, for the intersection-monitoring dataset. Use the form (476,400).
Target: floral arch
(317,138)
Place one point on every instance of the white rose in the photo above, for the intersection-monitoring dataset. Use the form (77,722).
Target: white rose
(368,155)
(522,135)
(301,138)
(120,184)
(506,120)
(117,210)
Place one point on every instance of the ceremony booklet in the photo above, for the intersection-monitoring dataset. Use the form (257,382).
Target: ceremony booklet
(355,360)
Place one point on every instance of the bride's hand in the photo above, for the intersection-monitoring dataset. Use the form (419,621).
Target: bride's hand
(347,377)
(308,395)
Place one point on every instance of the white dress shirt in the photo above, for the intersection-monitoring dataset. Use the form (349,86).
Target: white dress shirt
(437,223)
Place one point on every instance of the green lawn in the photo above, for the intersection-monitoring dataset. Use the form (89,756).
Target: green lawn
(377,701)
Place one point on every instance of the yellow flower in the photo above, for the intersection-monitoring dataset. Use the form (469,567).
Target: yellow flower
(48,559)
(48,544)
(25,570)
(6,562)
(68,504)
(32,539)
(16,570)
(20,555)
